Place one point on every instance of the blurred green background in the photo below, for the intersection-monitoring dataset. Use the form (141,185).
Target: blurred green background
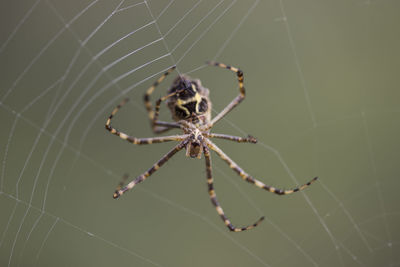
(323,100)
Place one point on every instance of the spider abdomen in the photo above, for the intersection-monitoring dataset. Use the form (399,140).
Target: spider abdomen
(190,102)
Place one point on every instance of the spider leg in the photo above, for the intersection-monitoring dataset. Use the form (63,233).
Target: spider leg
(166,124)
(236,100)
(163,127)
(214,200)
(150,171)
(123,180)
(250,179)
(248,139)
(139,141)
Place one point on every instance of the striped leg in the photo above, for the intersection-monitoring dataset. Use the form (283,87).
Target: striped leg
(248,139)
(123,180)
(139,141)
(236,100)
(168,125)
(149,107)
(214,200)
(250,179)
(150,171)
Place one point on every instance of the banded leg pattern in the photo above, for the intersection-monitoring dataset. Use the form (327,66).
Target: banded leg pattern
(139,141)
(213,197)
(150,171)
(250,179)
(236,101)
(151,89)
(123,180)
(238,72)
(248,139)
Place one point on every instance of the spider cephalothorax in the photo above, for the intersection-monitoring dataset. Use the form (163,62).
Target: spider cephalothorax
(190,107)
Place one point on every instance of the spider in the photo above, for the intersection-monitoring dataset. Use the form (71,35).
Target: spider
(190,106)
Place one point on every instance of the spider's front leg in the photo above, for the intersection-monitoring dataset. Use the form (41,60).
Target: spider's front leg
(213,196)
(236,100)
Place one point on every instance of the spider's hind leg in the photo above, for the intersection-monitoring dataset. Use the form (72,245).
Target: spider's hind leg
(121,190)
(250,179)
(122,182)
(213,197)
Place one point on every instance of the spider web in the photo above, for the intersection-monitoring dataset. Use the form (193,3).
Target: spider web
(321,78)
